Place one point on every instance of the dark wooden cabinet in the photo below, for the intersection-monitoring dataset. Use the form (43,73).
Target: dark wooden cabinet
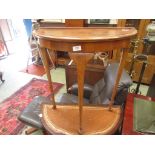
(140,25)
(93,73)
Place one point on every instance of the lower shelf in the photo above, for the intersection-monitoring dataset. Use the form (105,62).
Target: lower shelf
(65,119)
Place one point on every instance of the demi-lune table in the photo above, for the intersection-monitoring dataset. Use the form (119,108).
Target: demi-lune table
(81,45)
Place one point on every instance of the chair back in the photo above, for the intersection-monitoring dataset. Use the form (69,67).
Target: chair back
(102,91)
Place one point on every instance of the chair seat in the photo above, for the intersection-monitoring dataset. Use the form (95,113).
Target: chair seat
(69,98)
(30,115)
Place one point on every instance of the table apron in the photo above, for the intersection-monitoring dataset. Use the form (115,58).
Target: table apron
(90,47)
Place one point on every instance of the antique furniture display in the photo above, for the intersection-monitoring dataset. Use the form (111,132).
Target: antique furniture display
(60,58)
(98,94)
(141,26)
(81,44)
(148,42)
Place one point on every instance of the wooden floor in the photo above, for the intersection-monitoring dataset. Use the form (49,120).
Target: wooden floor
(35,70)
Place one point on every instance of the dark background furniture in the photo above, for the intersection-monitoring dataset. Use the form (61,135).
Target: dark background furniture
(100,92)
(93,73)
(128,114)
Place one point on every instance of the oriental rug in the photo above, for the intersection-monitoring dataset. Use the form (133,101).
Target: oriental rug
(13,105)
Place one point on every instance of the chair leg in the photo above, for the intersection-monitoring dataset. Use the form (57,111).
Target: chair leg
(30,130)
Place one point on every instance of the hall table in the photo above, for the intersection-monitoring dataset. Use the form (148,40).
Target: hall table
(82,43)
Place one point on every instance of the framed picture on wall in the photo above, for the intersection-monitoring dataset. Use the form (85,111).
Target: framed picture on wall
(102,21)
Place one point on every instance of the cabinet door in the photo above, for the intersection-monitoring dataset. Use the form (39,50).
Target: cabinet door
(140,25)
(149,70)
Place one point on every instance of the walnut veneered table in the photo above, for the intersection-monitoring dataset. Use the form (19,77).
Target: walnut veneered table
(81,44)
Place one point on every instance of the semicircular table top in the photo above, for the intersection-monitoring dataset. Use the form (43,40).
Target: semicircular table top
(81,119)
(85,33)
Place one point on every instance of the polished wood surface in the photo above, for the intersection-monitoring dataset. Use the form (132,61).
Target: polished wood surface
(96,120)
(141,33)
(44,55)
(128,115)
(85,34)
(86,41)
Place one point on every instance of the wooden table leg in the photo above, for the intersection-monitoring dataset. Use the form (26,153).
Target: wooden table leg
(44,56)
(81,60)
(124,54)
(51,59)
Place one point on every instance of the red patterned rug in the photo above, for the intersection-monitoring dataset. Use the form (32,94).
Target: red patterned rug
(12,106)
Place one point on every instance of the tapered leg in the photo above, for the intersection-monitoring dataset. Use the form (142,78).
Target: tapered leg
(44,56)
(119,73)
(81,60)
(53,65)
